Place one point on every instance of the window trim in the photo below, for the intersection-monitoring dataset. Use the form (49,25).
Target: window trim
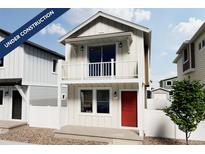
(56,65)
(94,113)
(92,101)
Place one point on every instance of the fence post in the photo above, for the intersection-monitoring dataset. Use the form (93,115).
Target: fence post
(112,68)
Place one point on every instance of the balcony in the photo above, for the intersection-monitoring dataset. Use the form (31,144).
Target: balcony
(113,71)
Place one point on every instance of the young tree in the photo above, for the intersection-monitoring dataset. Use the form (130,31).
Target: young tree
(188,105)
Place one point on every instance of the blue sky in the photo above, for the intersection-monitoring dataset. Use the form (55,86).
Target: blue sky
(170,27)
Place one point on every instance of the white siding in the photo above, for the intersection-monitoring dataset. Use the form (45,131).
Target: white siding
(13,64)
(88,119)
(38,67)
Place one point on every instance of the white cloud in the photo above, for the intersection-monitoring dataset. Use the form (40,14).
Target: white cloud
(76,16)
(163,54)
(188,27)
(54,28)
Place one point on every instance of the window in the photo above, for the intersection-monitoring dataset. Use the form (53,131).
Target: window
(54,65)
(86,98)
(203,43)
(98,54)
(1,62)
(169,83)
(149,94)
(200,46)
(103,101)
(185,55)
(1,97)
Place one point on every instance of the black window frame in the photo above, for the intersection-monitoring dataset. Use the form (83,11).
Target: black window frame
(99,103)
(1,95)
(54,65)
(83,108)
(2,62)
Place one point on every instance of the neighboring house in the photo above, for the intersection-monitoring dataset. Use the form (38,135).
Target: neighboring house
(28,84)
(167,83)
(190,58)
(106,68)
(160,98)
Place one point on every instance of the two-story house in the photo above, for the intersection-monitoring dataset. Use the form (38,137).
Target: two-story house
(167,83)
(190,58)
(28,84)
(107,70)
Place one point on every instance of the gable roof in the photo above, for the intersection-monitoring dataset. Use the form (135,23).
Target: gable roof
(108,16)
(37,46)
(175,77)
(160,88)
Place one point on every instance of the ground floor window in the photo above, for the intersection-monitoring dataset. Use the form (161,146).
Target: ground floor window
(86,98)
(1,97)
(100,103)
(103,101)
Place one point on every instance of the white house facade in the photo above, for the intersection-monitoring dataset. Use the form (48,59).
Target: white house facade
(28,84)
(107,70)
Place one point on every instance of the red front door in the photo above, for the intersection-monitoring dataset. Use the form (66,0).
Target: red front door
(129,108)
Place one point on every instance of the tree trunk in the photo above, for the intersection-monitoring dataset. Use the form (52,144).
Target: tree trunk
(187,141)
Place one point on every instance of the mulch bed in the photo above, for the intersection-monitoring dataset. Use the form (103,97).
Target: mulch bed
(164,141)
(42,136)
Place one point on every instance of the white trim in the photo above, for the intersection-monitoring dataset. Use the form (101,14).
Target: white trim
(98,14)
(136,80)
(94,101)
(189,70)
(120,109)
(39,84)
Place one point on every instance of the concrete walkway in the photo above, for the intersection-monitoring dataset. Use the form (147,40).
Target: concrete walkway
(109,135)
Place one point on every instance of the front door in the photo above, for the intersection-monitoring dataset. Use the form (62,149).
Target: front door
(16,105)
(129,108)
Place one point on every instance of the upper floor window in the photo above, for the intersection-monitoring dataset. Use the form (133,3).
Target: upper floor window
(1,97)
(169,83)
(1,62)
(200,46)
(203,43)
(54,66)
(185,55)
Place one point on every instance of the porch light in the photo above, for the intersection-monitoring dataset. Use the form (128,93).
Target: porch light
(82,48)
(115,94)
(120,45)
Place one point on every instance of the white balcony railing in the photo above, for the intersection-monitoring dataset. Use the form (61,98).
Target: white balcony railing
(101,70)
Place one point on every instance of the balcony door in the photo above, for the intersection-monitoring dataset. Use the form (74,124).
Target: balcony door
(100,60)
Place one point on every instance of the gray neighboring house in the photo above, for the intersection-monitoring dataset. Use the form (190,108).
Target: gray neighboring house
(28,84)
(167,83)
(190,57)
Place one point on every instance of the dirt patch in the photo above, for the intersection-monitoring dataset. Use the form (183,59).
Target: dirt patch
(164,141)
(42,136)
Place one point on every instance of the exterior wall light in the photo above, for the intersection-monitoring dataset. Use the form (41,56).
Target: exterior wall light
(82,48)
(120,45)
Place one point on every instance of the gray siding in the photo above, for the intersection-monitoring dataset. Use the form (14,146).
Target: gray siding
(38,67)
(13,63)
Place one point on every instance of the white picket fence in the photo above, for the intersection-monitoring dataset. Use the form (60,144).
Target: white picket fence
(157,124)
